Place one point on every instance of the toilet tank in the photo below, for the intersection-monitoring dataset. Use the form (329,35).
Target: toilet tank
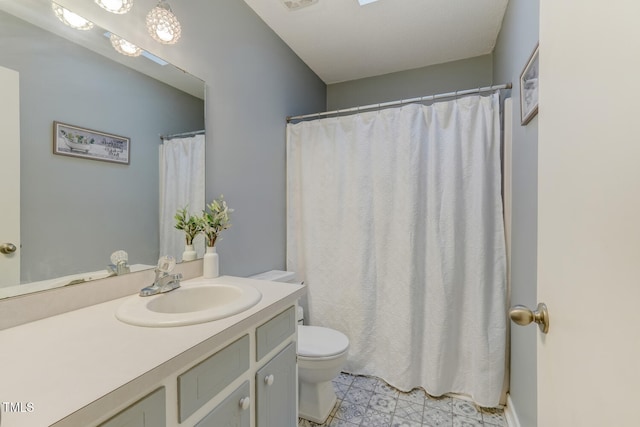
(282,276)
(276,276)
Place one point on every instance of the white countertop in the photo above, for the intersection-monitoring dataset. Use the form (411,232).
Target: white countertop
(63,363)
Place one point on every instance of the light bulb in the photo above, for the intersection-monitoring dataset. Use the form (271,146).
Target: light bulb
(163,25)
(115,6)
(71,19)
(124,47)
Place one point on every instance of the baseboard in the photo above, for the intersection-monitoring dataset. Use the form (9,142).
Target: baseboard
(510,413)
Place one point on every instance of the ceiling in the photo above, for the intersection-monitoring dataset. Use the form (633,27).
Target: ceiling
(341,40)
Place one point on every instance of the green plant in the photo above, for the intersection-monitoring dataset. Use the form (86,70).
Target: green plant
(191,225)
(216,220)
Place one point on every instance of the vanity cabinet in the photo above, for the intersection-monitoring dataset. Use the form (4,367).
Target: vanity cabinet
(274,400)
(204,381)
(234,411)
(149,411)
(276,397)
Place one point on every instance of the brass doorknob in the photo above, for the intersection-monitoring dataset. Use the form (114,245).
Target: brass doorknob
(7,248)
(523,316)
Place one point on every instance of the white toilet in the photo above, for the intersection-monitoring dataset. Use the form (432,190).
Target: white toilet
(321,354)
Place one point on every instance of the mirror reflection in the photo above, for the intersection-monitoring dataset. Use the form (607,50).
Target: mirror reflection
(76,212)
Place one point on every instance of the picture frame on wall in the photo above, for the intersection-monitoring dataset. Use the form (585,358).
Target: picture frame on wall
(74,141)
(529,88)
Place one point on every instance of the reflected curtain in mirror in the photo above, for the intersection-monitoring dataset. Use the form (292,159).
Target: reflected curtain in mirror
(181,184)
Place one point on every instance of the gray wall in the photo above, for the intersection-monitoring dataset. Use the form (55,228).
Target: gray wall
(254,81)
(76,212)
(517,39)
(457,75)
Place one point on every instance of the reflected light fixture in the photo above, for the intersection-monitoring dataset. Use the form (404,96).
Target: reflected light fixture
(124,47)
(298,4)
(162,24)
(71,19)
(115,6)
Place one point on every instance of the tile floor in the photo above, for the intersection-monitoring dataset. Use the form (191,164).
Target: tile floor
(370,402)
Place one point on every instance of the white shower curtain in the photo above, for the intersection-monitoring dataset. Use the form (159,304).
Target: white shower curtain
(181,184)
(394,221)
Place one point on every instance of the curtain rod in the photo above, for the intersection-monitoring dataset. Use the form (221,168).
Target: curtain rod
(184,134)
(404,101)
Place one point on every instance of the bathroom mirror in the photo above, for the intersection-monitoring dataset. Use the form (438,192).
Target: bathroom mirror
(76,211)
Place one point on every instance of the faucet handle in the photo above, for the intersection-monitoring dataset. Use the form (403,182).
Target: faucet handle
(166,264)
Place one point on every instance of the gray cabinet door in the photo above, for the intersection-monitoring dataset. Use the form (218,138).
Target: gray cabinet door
(205,380)
(230,413)
(276,390)
(147,412)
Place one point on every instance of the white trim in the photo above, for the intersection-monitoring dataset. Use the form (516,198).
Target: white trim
(510,413)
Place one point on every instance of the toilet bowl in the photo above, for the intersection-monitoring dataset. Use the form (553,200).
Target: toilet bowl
(322,353)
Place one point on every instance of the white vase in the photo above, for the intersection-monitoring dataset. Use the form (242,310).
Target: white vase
(210,268)
(189,253)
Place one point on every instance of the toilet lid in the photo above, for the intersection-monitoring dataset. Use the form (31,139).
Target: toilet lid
(316,341)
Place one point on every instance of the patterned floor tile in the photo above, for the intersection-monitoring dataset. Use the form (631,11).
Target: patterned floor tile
(494,417)
(466,409)
(400,422)
(367,383)
(409,410)
(436,418)
(370,402)
(340,389)
(342,423)
(416,395)
(462,421)
(441,403)
(359,396)
(344,378)
(384,388)
(373,418)
(383,403)
(350,412)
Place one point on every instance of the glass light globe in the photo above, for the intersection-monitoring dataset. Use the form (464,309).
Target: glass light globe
(124,47)
(115,6)
(71,19)
(162,24)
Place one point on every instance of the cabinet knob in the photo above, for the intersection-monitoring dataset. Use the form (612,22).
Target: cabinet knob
(268,380)
(245,402)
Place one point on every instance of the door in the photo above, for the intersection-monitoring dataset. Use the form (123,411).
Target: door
(10,177)
(589,213)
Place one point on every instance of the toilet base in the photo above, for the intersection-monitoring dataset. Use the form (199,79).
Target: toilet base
(316,400)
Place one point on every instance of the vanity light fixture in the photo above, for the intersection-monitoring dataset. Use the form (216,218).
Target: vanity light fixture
(71,19)
(162,24)
(365,2)
(115,6)
(124,47)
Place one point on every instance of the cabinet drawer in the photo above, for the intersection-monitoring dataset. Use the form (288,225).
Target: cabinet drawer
(272,333)
(230,412)
(150,411)
(202,382)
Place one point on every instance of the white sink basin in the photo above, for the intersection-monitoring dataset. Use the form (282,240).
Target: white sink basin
(192,303)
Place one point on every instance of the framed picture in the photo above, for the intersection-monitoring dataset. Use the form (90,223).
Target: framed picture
(529,88)
(75,141)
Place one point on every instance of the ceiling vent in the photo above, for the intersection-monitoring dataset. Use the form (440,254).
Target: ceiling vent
(298,4)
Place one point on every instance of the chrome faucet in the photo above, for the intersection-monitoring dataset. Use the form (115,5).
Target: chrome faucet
(164,282)
(118,264)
